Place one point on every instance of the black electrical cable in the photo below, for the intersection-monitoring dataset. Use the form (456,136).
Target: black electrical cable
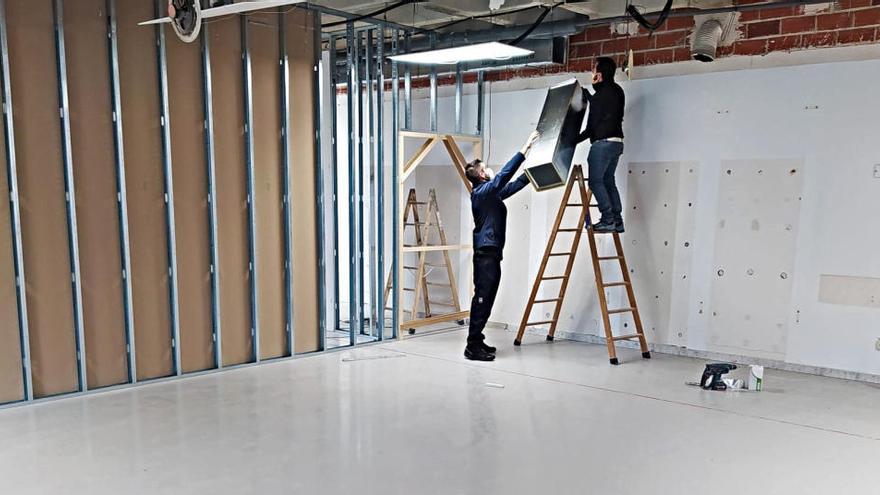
(519,39)
(491,14)
(635,14)
(381,11)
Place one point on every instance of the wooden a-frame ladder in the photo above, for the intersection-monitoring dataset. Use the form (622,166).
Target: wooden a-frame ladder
(583,203)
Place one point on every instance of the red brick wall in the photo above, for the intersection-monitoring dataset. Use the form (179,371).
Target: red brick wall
(762,31)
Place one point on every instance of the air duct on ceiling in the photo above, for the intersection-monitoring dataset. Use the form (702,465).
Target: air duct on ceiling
(706,39)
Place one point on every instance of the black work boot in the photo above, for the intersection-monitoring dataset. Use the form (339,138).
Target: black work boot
(488,348)
(477,353)
(603,227)
(618,226)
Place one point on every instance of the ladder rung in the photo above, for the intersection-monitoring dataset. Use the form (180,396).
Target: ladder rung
(594,205)
(414,223)
(621,310)
(410,268)
(616,284)
(573,204)
(606,258)
(417,203)
(536,323)
(439,285)
(561,277)
(626,337)
(568,230)
(445,305)
(407,289)
(560,254)
(546,300)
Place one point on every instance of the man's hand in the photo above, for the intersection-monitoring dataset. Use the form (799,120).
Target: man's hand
(533,138)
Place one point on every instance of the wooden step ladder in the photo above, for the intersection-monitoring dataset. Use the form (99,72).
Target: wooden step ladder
(583,203)
(422,230)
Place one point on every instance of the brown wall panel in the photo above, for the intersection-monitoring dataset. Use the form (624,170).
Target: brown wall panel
(43,208)
(303,95)
(231,185)
(185,94)
(94,164)
(265,54)
(11,381)
(145,189)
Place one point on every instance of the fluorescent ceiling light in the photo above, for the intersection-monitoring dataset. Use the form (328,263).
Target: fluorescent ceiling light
(468,53)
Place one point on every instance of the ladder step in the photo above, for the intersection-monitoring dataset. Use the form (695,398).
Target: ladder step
(410,268)
(606,258)
(573,204)
(621,310)
(626,337)
(560,254)
(445,305)
(414,223)
(407,289)
(538,301)
(569,230)
(616,284)
(536,323)
(561,277)
(439,285)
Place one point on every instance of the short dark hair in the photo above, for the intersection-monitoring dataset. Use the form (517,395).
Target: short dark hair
(472,172)
(607,67)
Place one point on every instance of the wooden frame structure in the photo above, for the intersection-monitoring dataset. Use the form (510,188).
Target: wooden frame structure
(407,167)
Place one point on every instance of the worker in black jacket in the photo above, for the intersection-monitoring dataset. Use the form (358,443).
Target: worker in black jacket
(605,132)
(490,227)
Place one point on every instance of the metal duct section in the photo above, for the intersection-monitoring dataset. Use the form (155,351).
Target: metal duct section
(706,40)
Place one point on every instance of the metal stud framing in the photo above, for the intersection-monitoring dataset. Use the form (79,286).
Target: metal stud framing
(459,90)
(165,122)
(407,88)
(285,177)
(434,101)
(353,312)
(379,289)
(122,197)
(208,94)
(371,132)
(395,187)
(334,163)
(12,176)
(481,82)
(247,75)
(319,178)
(361,262)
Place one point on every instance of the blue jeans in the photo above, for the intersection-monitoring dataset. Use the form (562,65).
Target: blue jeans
(602,161)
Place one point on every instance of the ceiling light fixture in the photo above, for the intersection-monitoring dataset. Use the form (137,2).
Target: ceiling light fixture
(469,53)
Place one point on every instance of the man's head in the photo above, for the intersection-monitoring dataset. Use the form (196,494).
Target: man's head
(477,172)
(604,70)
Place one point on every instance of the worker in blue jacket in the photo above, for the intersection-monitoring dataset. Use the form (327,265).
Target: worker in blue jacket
(490,227)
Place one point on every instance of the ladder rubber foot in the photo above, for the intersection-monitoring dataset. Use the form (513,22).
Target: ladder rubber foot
(517,343)
(412,331)
(549,338)
(461,322)
(614,361)
(646,355)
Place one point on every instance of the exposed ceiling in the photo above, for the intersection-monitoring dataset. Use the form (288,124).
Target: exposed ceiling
(474,15)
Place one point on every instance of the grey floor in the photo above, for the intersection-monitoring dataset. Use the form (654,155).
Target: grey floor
(414,418)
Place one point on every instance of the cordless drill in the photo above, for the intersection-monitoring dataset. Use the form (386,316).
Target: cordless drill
(712,376)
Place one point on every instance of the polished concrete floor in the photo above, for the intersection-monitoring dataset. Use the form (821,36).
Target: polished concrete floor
(414,418)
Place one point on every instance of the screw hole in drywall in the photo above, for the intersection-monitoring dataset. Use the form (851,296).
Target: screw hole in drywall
(729,172)
(783,275)
(687,244)
(720,273)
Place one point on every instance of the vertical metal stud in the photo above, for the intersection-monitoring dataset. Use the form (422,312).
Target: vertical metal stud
(124,239)
(169,191)
(459,91)
(407,87)
(334,163)
(12,176)
(353,227)
(319,174)
(371,130)
(247,75)
(285,177)
(70,192)
(359,91)
(481,83)
(379,215)
(434,101)
(395,187)
(208,93)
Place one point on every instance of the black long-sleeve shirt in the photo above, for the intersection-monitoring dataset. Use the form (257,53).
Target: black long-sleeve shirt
(605,119)
(487,205)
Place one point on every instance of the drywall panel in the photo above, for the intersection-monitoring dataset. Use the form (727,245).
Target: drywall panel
(659,214)
(300,32)
(11,380)
(94,166)
(268,190)
(185,98)
(145,188)
(850,291)
(757,224)
(43,208)
(231,174)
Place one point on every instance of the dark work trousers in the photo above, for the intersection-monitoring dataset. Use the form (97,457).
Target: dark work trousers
(487,276)
(602,160)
